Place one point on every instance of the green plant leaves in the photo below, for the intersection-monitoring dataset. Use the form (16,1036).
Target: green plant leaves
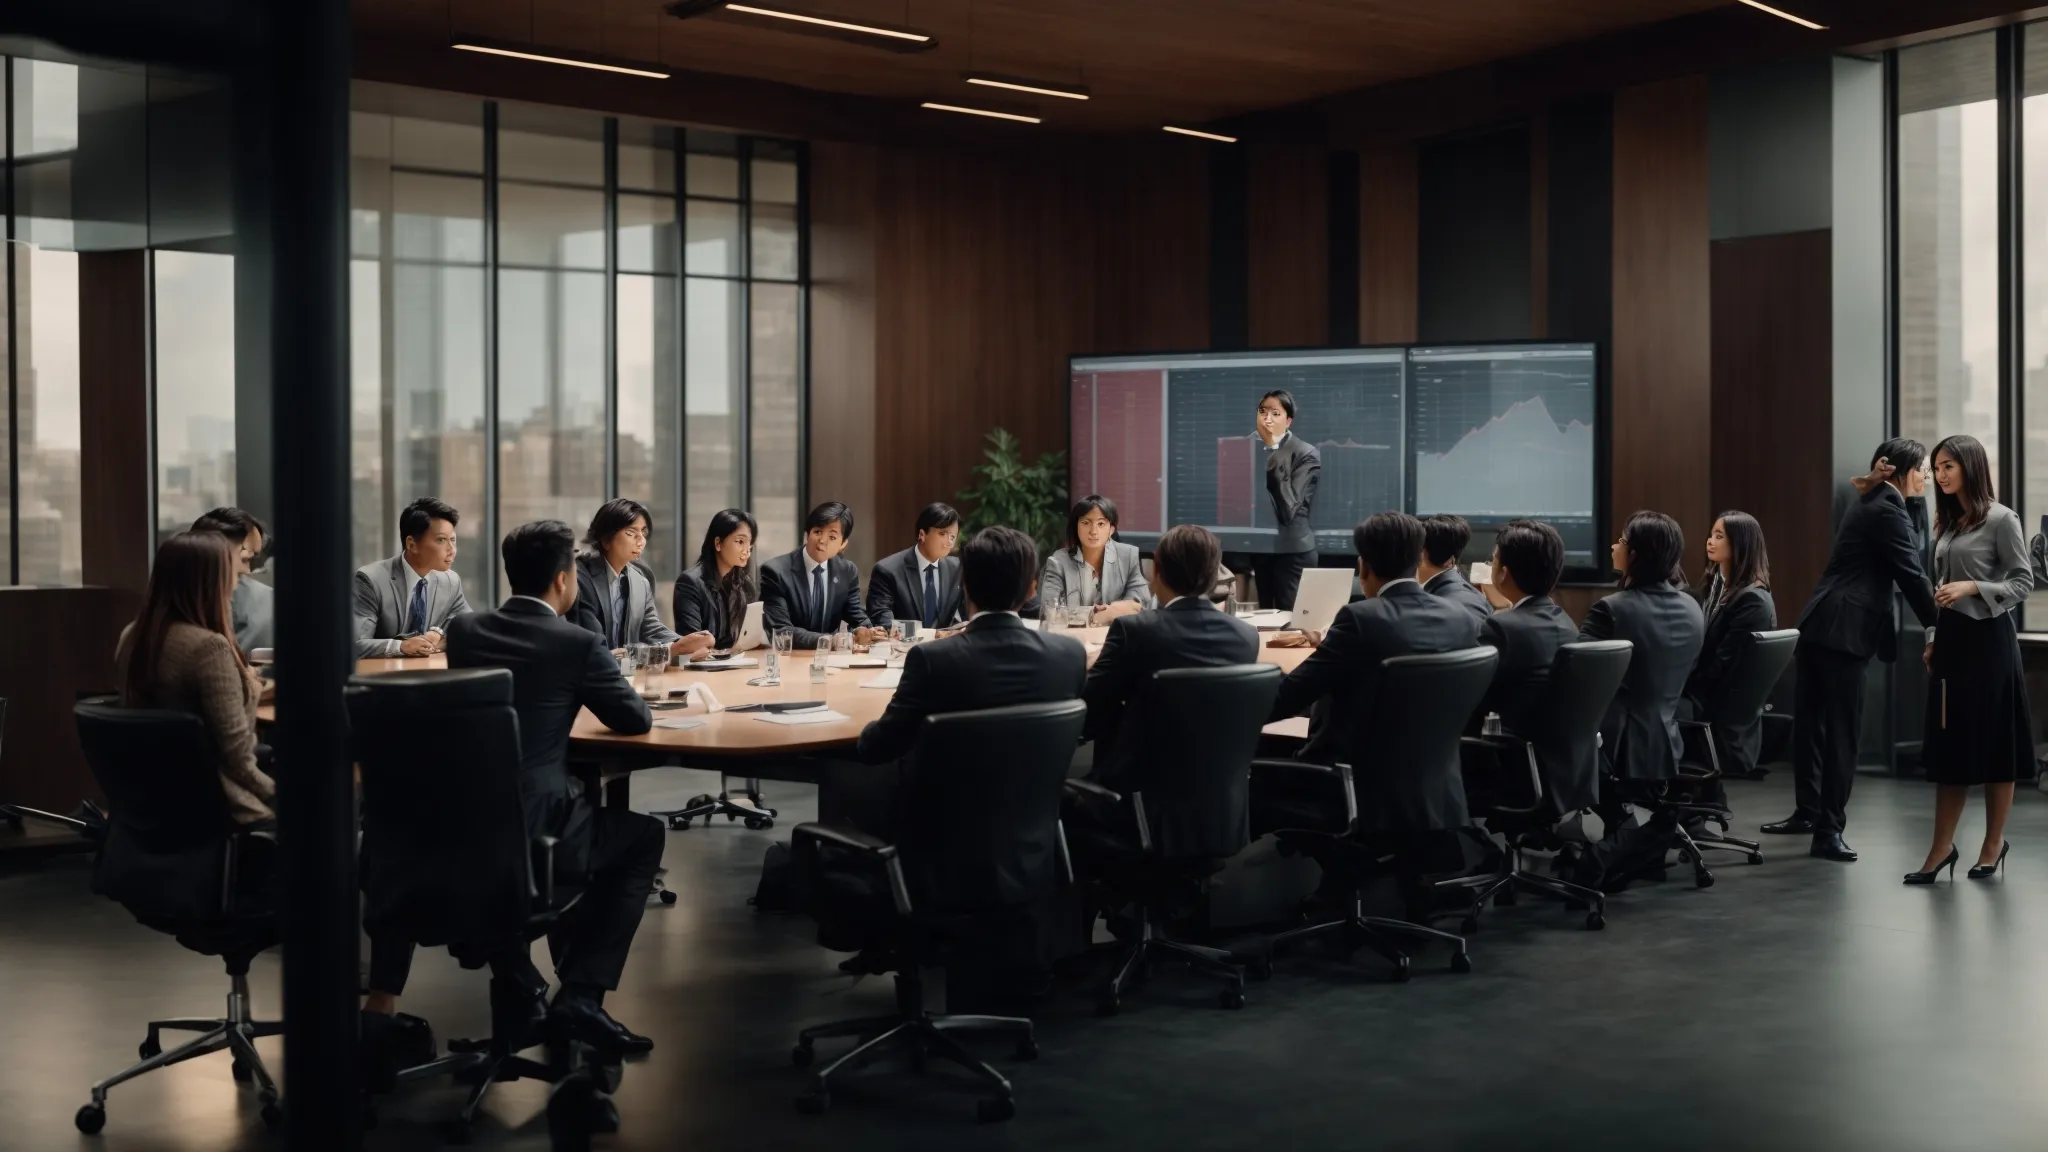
(1030,497)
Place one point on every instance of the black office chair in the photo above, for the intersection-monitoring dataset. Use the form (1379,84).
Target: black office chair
(446,862)
(90,823)
(1697,801)
(175,859)
(1562,753)
(1414,799)
(1189,811)
(985,839)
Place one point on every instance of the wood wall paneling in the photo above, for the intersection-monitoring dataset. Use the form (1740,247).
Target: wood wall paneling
(843,443)
(1150,208)
(1288,264)
(1388,243)
(1539,227)
(1773,399)
(114,450)
(60,645)
(1661,396)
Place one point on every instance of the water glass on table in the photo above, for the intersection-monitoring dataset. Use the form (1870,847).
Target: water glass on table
(903,634)
(652,661)
(819,659)
(1244,609)
(627,663)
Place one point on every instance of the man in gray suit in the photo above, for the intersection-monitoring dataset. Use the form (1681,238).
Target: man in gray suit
(1293,467)
(249,610)
(403,604)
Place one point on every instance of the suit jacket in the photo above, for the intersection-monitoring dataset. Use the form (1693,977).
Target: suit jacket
(1527,638)
(700,607)
(1123,576)
(1876,549)
(382,596)
(1728,635)
(1452,585)
(253,615)
(1402,620)
(1640,734)
(1188,633)
(998,660)
(896,590)
(1292,472)
(786,596)
(558,669)
(593,610)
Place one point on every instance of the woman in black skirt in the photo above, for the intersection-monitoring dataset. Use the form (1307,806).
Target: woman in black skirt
(1977,730)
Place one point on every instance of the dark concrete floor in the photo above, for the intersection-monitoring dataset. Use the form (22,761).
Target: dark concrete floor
(1799,1004)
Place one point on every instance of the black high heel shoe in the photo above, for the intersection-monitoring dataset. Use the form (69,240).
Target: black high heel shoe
(1987,871)
(1929,876)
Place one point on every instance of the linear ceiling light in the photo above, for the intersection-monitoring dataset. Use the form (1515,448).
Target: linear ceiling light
(1017,116)
(1035,87)
(547,59)
(1200,135)
(1783,15)
(892,38)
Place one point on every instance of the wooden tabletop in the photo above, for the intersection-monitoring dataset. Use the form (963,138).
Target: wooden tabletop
(743,734)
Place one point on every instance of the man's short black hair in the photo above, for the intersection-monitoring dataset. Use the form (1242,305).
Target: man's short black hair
(233,523)
(536,553)
(1904,453)
(830,512)
(420,516)
(1444,538)
(1533,554)
(1186,559)
(1656,547)
(1390,543)
(1285,398)
(935,516)
(997,566)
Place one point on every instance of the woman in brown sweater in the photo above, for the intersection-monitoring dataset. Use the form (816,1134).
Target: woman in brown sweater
(180,654)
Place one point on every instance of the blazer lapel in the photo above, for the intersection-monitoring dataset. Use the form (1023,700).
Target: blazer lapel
(914,564)
(801,573)
(399,591)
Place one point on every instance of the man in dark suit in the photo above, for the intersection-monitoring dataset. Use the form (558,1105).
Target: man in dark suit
(1185,631)
(1528,556)
(1850,618)
(1396,618)
(920,583)
(1444,539)
(558,669)
(1293,468)
(813,590)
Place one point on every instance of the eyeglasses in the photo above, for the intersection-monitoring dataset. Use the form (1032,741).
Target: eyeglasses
(639,534)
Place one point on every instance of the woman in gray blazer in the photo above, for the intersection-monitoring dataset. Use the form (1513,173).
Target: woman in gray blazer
(614,597)
(1095,569)
(1977,728)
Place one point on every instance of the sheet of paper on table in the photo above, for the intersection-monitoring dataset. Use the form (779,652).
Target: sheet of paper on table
(725,662)
(821,716)
(888,679)
(680,724)
(850,660)
(1269,619)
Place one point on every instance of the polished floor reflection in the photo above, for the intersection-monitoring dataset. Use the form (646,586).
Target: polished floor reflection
(1796,1005)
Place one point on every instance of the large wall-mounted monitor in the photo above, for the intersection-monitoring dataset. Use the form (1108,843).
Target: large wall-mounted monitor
(1490,432)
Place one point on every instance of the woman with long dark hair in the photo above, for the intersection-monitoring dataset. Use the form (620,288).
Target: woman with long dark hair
(1977,728)
(713,595)
(180,654)
(1095,569)
(1653,612)
(1737,601)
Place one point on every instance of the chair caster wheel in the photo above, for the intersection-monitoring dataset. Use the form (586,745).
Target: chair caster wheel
(730,817)
(1468,925)
(240,1072)
(1703,880)
(1756,857)
(1401,972)
(668,898)
(1027,1049)
(994,1111)
(90,1119)
(1109,1005)
(149,1048)
(814,1103)
(458,1132)
(802,1055)
(1233,998)
(757,823)
(273,1116)
(1595,921)
(678,823)
(1461,962)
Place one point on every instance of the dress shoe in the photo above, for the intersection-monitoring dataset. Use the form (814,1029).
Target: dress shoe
(1831,846)
(518,1013)
(391,1042)
(1987,871)
(1929,876)
(586,1020)
(1793,825)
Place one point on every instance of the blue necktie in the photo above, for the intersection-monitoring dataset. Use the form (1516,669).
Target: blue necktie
(931,595)
(818,598)
(416,615)
(619,614)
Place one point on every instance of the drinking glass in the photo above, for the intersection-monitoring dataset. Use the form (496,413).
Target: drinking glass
(818,659)
(842,641)
(627,663)
(1245,609)
(779,648)
(653,660)
(1078,615)
(906,636)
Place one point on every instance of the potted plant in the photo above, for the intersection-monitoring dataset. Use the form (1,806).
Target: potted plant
(1030,497)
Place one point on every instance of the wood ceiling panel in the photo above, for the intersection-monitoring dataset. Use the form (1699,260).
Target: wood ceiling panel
(1147,61)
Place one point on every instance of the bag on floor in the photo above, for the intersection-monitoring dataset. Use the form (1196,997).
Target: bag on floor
(774,894)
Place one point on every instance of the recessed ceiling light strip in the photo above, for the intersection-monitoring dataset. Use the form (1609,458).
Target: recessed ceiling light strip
(1035,87)
(1802,21)
(1017,116)
(1220,139)
(905,34)
(547,59)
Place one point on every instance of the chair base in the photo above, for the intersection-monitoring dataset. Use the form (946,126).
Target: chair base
(745,805)
(921,1034)
(1515,877)
(1692,847)
(13,815)
(235,1032)
(1151,945)
(1382,936)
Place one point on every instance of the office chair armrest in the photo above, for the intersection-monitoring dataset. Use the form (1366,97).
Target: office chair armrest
(1702,725)
(842,836)
(1501,743)
(1090,788)
(230,871)
(1059,828)
(1341,771)
(544,885)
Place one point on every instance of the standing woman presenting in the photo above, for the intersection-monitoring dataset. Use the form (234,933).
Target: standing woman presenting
(1977,729)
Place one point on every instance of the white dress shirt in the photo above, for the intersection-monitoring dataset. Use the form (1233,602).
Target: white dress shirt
(541,602)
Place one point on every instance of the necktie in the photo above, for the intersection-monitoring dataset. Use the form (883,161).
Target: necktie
(931,595)
(619,614)
(416,615)
(818,617)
